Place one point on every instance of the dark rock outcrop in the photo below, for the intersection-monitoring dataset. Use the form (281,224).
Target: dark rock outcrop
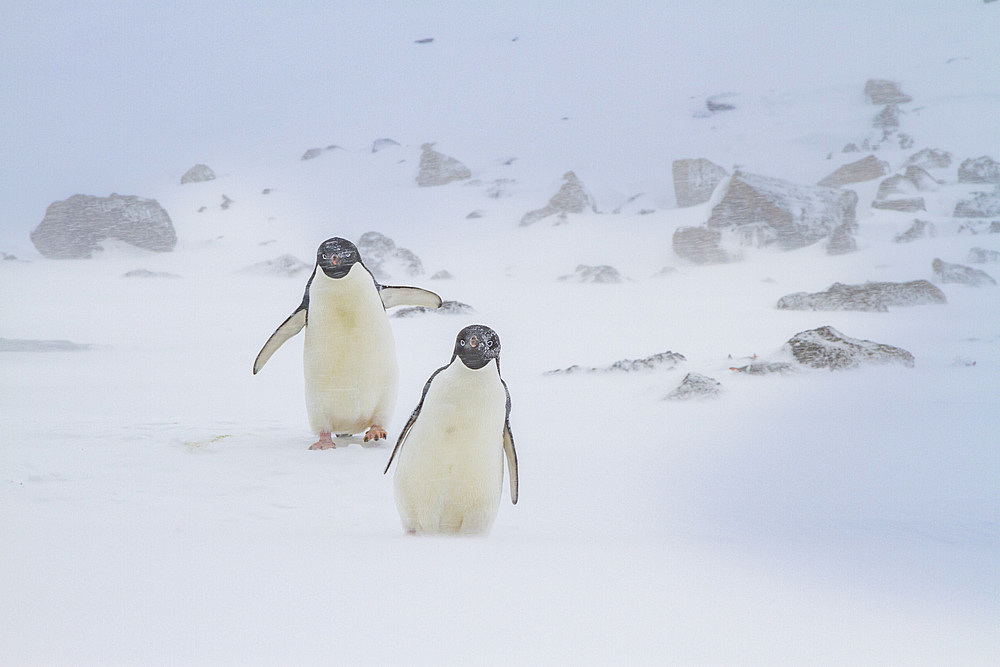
(76,227)
(571,197)
(870,297)
(593,274)
(979,170)
(198,174)
(695,385)
(666,360)
(959,274)
(765,211)
(865,169)
(882,91)
(439,169)
(384,259)
(826,347)
(695,180)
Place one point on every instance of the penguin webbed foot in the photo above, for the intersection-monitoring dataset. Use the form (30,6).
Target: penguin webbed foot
(325,442)
(376,432)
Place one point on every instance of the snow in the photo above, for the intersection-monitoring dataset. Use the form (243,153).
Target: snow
(158,504)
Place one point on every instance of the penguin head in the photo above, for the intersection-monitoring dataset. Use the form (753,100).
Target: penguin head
(336,256)
(477,345)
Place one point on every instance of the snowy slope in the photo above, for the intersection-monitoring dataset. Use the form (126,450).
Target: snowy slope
(158,504)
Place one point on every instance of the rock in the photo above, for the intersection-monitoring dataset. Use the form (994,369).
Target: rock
(983,256)
(841,241)
(571,198)
(979,170)
(980,205)
(593,274)
(442,275)
(474,215)
(146,273)
(869,297)
(961,275)
(826,347)
(439,169)
(384,259)
(916,179)
(446,308)
(766,211)
(695,385)
(716,103)
(975,227)
(903,204)
(425,40)
(267,191)
(881,91)
(930,158)
(700,245)
(198,174)
(7,258)
(382,144)
(766,368)
(921,179)
(887,118)
(312,153)
(75,228)
(26,345)
(285,265)
(865,169)
(226,202)
(663,359)
(918,230)
(499,189)
(695,180)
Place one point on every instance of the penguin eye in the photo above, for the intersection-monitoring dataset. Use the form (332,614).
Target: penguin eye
(325,256)
(489,343)
(461,342)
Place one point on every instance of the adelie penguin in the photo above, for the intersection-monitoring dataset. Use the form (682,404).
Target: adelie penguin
(351,374)
(449,456)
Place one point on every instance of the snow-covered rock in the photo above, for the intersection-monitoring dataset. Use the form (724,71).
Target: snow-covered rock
(865,169)
(665,360)
(826,347)
(882,91)
(312,154)
(439,169)
(983,256)
(960,274)
(695,180)
(146,273)
(980,205)
(695,385)
(198,174)
(27,345)
(601,273)
(871,296)
(385,260)
(765,368)
(382,144)
(76,227)
(571,197)
(930,158)
(764,211)
(284,265)
(887,118)
(914,180)
(902,204)
(446,308)
(979,170)
(700,245)
(918,230)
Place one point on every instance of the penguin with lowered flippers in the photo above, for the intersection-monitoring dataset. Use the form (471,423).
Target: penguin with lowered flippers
(349,356)
(449,456)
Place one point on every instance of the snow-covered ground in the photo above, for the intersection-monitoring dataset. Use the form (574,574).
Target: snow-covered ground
(158,504)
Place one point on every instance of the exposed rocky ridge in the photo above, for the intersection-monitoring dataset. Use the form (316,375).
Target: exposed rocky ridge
(826,347)
(961,275)
(695,180)
(663,359)
(75,228)
(695,385)
(869,297)
(571,197)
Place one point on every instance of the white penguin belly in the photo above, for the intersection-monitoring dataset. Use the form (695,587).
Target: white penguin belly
(449,476)
(349,355)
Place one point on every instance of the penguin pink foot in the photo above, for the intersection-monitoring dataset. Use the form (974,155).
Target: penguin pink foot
(376,432)
(325,442)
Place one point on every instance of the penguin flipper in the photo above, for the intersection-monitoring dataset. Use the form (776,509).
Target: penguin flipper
(393,295)
(288,328)
(413,418)
(509,451)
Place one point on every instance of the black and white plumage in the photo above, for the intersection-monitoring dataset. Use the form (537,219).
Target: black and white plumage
(449,456)
(351,373)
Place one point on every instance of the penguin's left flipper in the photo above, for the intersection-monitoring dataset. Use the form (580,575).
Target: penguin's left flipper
(393,295)
(288,328)
(509,452)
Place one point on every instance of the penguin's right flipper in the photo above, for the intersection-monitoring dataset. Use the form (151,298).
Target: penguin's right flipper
(288,328)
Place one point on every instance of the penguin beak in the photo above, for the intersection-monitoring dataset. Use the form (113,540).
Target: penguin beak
(473,341)
(333,260)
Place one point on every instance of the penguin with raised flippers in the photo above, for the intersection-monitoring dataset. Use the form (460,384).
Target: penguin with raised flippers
(351,374)
(449,456)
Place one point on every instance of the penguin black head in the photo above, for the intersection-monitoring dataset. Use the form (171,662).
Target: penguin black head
(477,345)
(336,256)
